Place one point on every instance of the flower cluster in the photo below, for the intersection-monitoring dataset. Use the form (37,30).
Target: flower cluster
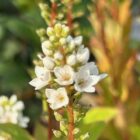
(64,68)
(11,111)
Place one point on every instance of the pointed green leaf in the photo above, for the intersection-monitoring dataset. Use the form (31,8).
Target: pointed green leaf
(98,114)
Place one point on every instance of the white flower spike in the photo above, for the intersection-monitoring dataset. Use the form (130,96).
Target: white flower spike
(57,98)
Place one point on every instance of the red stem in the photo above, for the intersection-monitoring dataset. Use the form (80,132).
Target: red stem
(53,13)
(71,121)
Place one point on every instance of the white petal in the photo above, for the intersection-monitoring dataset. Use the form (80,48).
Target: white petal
(65,75)
(102,76)
(78,40)
(38,83)
(48,63)
(45,48)
(50,93)
(13,99)
(3,99)
(83,55)
(39,71)
(58,72)
(19,106)
(69,39)
(91,67)
(95,79)
(90,89)
(71,60)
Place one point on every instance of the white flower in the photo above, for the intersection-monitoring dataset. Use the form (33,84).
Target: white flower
(71,59)
(42,79)
(84,82)
(11,111)
(48,63)
(57,98)
(65,75)
(87,77)
(83,54)
(46,48)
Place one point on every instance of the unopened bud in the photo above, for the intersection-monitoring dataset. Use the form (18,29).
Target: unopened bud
(58,117)
(76,130)
(58,56)
(50,31)
(52,38)
(62,41)
(58,28)
(57,133)
(41,32)
(71,60)
(43,6)
(65,31)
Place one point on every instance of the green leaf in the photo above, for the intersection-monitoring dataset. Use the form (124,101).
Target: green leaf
(40,132)
(98,114)
(94,130)
(15,132)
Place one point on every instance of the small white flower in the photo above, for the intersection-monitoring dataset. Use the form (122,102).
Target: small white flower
(65,75)
(48,63)
(83,54)
(42,79)
(84,82)
(71,59)
(87,77)
(57,98)
(46,48)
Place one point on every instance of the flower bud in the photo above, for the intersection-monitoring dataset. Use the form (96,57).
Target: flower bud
(41,32)
(52,38)
(63,126)
(83,55)
(58,116)
(58,28)
(71,60)
(85,136)
(48,63)
(76,130)
(58,56)
(62,41)
(71,45)
(43,6)
(50,31)
(57,133)
(65,31)
(78,40)
(46,44)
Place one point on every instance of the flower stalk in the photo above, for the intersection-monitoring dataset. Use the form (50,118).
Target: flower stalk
(71,120)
